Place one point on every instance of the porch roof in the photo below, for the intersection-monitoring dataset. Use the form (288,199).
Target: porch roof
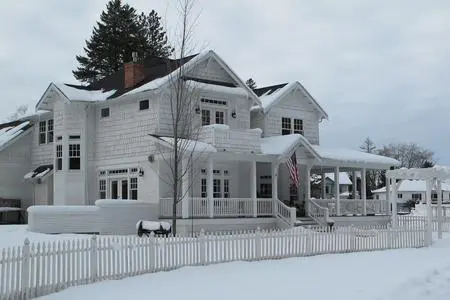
(438,172)
(285,145)
(40,173)
(353,158)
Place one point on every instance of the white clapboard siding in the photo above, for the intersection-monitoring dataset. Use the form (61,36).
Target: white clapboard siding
(38,269)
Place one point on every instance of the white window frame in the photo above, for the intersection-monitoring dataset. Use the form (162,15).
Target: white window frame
(59,157)
(46,130)
(286,125)
(131,174)
(224,184)
(292,125)
(214,106)
(74,153)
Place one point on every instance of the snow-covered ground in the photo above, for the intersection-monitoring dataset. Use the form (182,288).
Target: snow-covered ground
(409,274)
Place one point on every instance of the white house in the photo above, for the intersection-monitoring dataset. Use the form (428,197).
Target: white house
(414,190)
(107,140)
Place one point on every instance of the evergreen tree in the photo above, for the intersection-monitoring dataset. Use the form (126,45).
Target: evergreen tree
(155,35)
(115,37)
(251,83)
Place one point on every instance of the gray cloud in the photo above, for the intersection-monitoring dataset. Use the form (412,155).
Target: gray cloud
(380,69)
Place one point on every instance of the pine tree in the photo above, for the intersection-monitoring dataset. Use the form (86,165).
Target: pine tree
(251,83)
(156,38)
(115,37)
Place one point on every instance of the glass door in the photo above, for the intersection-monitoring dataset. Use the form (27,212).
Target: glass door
(114,189)
(119,189)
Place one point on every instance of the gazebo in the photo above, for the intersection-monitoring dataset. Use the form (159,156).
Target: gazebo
(433,177)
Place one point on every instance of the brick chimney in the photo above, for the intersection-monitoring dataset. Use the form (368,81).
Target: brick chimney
(134,72)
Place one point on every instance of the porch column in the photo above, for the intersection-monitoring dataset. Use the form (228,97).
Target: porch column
(308,188)
(253,189)
(354,185)
(274,186)
(388,195)
(210,191)
(322,185)
(336,191)
(393,198)
(429,232)
(363,190)
(439,208)
(185,190)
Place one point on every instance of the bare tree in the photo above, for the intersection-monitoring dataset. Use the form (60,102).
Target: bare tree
(372,176)
(368,146)
(183,101)
(21,111)
(410,155)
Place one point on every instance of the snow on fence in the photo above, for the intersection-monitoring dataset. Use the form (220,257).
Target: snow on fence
(37,269)
(421,221)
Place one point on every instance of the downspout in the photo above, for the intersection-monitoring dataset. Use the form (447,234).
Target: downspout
(85,155)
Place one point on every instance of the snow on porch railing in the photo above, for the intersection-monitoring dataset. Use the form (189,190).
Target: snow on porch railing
(319,213)
(354,206)
(286,214)
(233,207)
(264,207)
(37,269)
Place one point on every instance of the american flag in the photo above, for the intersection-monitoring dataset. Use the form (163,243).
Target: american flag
(293,170)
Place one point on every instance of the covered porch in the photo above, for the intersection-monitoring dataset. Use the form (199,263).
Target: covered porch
(355,163)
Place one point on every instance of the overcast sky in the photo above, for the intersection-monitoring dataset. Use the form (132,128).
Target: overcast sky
(379,68)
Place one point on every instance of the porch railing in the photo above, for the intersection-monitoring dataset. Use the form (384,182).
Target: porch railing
(285,213)
(319,213)
(223,207)
(354,206)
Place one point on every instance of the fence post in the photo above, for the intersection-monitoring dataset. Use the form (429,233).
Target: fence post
(309,243)
(202,240)
(25,280)
(258,244)
(152,252)
(94,269)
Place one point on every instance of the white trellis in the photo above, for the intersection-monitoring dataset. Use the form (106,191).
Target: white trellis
(433,177)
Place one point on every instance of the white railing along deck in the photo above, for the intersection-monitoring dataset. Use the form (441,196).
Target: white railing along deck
(38,269)
(319,214)
(354,206)
(236,140)
(223,207)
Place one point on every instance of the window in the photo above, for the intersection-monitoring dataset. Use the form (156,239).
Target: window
(144,104)
(50,131)
(74,137)
(133,188)
(265,190)
(42,132)
(74,157)
(203,188)
(417,197)
(285,126)
(298,126)
(102,188)
(206,117)
(217,188)
(59,138)
(399,196)
(377,197)
(46,132)
(58,157)
(216,102)
(327,189)
(226,188)
(104,113)
(220,117)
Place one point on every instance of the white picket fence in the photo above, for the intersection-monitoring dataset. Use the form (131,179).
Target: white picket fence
(37,269)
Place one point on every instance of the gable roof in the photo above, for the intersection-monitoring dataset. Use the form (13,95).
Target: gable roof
(414,186)
(12,131)
(157,72)
(343,178)
(272,95)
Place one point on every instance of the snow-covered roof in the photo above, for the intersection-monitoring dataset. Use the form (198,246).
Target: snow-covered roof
(272,97)
(39,173)
(216,88)
(343,177)
(413,186)
(10,131)
(284,145)
(159,82)
(73,93)
(355,156)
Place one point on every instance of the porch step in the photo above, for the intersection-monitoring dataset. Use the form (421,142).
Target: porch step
(304,221)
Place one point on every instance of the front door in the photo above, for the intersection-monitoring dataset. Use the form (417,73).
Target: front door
(119,189)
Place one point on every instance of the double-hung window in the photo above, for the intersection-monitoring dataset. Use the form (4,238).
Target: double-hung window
(102,188)
(285,126)
(298,126)
(74,157)
(59,157)
(46,132)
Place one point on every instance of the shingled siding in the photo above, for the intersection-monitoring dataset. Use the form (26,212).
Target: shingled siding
(294,106)
(124,133)
(40,154)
